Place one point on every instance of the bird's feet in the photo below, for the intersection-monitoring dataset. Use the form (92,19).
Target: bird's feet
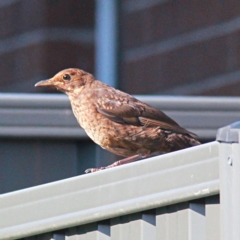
(117,163)
(91,170)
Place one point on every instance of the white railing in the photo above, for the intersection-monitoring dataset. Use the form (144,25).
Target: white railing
(189,194)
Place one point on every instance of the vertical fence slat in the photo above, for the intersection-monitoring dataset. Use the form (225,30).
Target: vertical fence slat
(115,228)
(125,227)
(230,190)
(229,153)
(134,226)
(148,226)
(161,223)
(212,212)
(181,221)
(236,189)
(93,231)
(171,222)
(226,191)
(197,221)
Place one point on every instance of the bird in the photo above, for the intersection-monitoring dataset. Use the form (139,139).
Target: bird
(117,121)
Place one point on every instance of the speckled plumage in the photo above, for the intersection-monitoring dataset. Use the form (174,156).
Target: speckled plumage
(117,121)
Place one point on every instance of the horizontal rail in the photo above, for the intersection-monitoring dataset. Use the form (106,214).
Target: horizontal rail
(50,115)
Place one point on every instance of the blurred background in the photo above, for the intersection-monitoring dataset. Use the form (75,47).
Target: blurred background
(140,46)
(151,47)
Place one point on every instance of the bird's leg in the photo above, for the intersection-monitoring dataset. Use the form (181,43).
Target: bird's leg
(117,163)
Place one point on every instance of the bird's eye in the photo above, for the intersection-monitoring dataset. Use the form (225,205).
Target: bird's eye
(66,77)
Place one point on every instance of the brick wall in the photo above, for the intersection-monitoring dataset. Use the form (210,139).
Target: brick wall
(180,47)
(166,47)
(40,37)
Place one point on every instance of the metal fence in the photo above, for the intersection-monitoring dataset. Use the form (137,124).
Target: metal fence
(38,133)
(173,196)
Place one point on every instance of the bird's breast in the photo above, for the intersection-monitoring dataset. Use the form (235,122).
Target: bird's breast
(95,125)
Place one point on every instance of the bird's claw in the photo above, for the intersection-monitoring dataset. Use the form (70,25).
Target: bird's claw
(91,170)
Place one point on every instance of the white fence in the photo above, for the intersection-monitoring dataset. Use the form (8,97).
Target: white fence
(173,196)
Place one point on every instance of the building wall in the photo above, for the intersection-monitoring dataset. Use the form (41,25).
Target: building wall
(166,47)
(180,47)
(39,38)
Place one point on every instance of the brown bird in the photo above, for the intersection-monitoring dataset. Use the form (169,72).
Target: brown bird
(117,121)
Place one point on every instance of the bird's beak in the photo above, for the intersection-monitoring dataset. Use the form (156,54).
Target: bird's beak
(48,82)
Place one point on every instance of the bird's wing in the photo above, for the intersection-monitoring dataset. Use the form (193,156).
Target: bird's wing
(121,114)
(128,110)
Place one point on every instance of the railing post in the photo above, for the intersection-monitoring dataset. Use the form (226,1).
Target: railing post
(229,137)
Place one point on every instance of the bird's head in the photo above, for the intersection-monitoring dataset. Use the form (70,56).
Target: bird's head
(68,80)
